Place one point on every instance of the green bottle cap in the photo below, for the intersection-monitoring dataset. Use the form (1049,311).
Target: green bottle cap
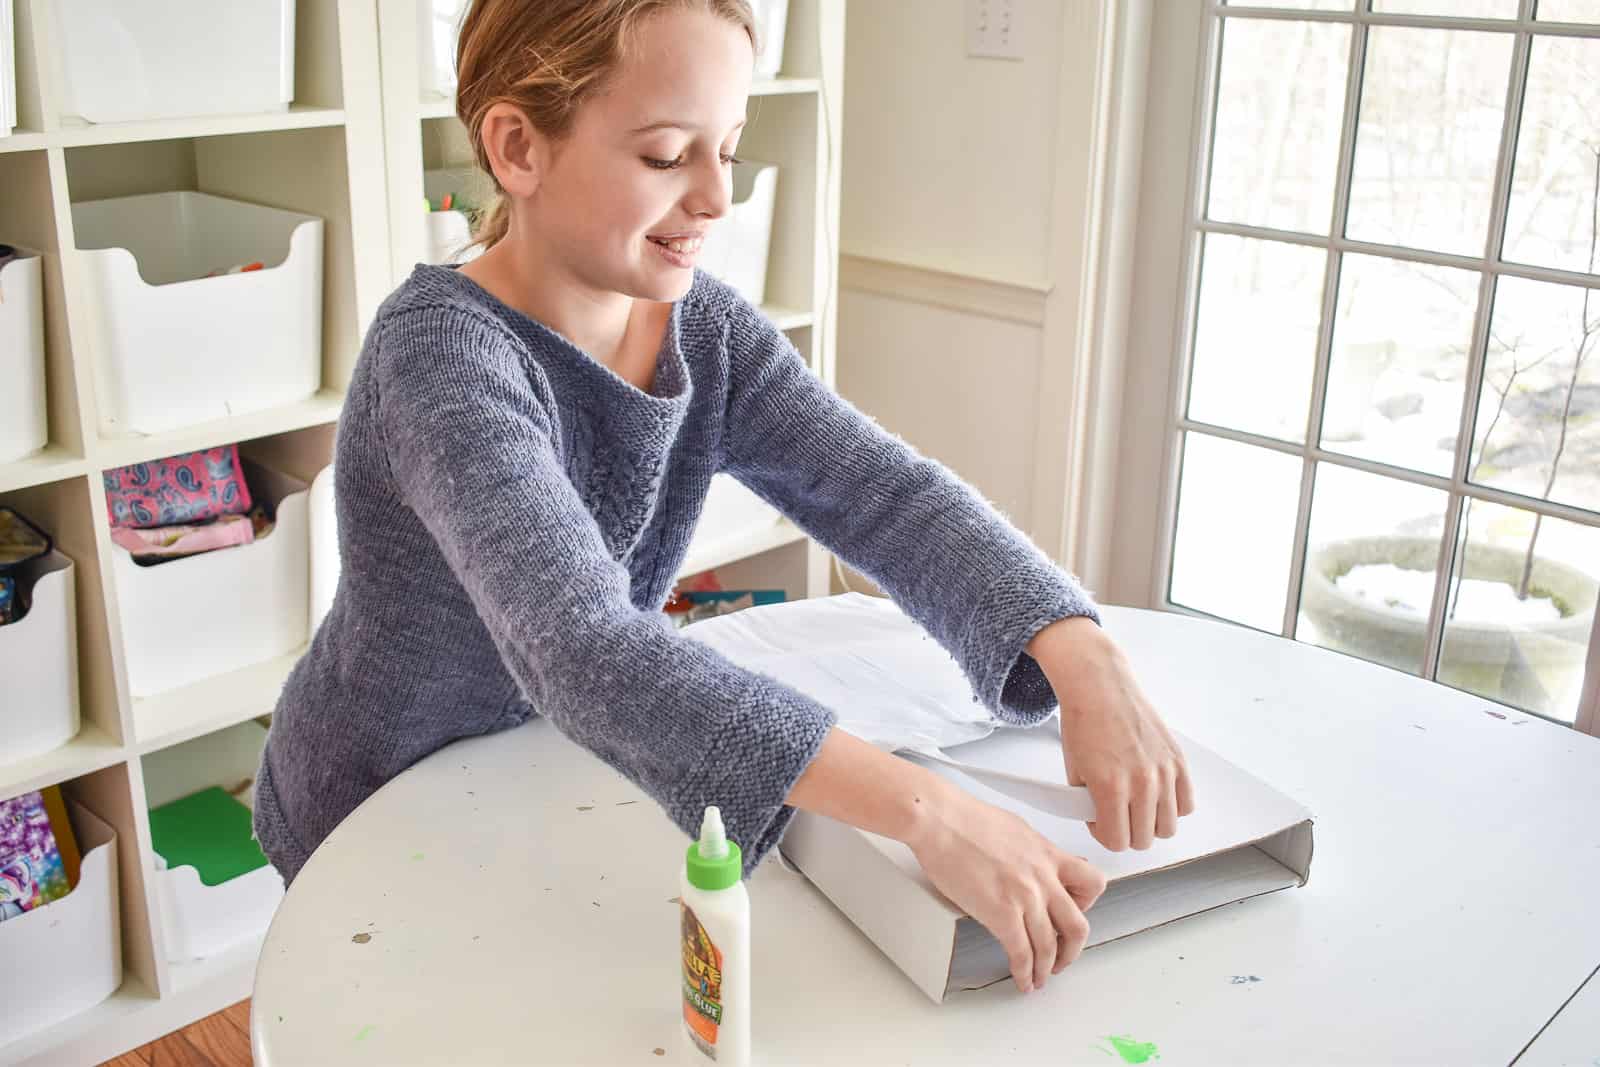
(713,862)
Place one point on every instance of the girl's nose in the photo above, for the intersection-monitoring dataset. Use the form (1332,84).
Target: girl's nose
(712,194)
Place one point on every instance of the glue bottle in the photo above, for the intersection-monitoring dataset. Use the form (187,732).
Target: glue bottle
(714,912)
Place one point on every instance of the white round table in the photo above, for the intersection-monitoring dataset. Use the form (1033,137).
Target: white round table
(509,900)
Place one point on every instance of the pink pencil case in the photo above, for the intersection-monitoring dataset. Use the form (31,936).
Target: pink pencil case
(225,532)
(179,490)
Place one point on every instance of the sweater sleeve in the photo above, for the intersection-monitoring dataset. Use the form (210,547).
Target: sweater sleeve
(470,446)
(945,555)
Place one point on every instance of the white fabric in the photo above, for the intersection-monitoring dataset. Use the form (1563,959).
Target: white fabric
(893,685)
(890,683)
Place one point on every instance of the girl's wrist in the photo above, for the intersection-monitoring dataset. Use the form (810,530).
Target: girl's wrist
(860,784)
(932,802)
(1072,649)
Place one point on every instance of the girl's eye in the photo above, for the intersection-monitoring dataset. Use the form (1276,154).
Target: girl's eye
(674,164)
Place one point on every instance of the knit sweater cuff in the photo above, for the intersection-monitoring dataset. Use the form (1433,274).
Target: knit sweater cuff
(272,831)
(1017,606)
(751,767)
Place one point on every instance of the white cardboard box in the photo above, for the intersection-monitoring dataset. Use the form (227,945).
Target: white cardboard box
(1244,840)
(891,684)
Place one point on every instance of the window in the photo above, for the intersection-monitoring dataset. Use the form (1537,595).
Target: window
(1386,438)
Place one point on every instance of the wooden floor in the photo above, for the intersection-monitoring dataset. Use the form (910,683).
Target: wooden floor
(220,1040)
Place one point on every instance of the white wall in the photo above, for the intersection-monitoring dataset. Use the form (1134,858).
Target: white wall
(951,226)
(947,160)
(957,386)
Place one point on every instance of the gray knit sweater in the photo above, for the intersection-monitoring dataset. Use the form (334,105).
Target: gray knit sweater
(512,515)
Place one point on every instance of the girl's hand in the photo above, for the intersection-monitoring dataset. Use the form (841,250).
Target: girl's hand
(1112,739)
(1027,892)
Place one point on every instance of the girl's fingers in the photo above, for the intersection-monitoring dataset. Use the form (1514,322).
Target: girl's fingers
(1167,807)
(1042,933)
(1014,939)
(1142,809)
(1110,827)
(1083,883)
(1184,790)
(1070,927)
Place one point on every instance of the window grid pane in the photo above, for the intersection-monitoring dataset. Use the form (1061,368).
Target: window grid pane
(1491,265)
(1275,143)
(1428,138)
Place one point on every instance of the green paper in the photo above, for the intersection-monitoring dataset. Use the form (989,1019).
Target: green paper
(209,831)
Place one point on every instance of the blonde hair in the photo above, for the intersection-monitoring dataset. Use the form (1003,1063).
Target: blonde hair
(547,57)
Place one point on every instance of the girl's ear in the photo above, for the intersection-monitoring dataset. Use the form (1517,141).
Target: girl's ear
(517,151)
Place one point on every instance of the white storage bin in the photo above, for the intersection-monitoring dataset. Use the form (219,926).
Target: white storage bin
(179,348)
(324,546)
(735,249)
(771,18)
(448,236)
(65,957)
(23,428)
(8,68)
(123,60)
(437,24)
(39,662)
(731,512)
(198,920)
(191,618)
(449,231)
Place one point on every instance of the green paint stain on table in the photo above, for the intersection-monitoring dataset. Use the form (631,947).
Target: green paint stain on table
(1133,1051)
(363,1034)
(415,856)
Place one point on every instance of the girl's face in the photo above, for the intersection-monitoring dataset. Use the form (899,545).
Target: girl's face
(648,161)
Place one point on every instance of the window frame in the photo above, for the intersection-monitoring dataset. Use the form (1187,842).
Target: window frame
(1149,361)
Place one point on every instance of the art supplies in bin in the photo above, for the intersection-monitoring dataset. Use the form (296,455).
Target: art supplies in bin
(209,831)
(20,542)
(38,852)
(183,505)
(215,886)
(452,202)
(451,218)
(694,605)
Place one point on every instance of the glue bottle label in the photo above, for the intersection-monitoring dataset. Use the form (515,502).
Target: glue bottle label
(702,983)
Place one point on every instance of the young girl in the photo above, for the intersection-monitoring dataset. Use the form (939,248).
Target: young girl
(525,448)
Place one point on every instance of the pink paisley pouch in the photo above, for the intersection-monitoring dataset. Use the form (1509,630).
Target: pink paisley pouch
(179,490)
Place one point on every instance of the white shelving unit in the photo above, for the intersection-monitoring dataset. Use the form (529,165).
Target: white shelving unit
(351,150)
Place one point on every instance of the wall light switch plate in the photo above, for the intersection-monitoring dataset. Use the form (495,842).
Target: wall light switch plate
(993,30)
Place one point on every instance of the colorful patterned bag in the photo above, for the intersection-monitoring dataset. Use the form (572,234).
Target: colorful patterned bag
(178,490)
